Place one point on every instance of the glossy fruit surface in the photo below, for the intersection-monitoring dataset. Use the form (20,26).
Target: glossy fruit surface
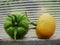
(16,25)
(46,25)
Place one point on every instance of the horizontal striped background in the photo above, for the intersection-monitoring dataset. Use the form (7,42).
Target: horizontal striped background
(34,8)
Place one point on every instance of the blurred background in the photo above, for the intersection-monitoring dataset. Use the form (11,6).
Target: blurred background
(34,8)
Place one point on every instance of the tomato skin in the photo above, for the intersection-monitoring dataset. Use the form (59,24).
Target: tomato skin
(46,25)
(16,24)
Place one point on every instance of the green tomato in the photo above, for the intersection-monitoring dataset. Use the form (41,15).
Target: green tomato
(16,25)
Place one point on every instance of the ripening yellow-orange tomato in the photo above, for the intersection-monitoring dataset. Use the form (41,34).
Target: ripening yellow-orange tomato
(46,25)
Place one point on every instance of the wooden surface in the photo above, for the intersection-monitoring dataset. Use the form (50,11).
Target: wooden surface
(31,39)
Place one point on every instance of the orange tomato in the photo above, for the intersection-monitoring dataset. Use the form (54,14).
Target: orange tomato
(46,25)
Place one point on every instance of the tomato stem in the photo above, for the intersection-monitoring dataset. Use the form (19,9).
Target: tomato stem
(15,33)
(12,18)
(26,13)
(34,24)
(15,18)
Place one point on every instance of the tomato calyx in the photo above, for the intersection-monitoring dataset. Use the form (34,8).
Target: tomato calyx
(15,23)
